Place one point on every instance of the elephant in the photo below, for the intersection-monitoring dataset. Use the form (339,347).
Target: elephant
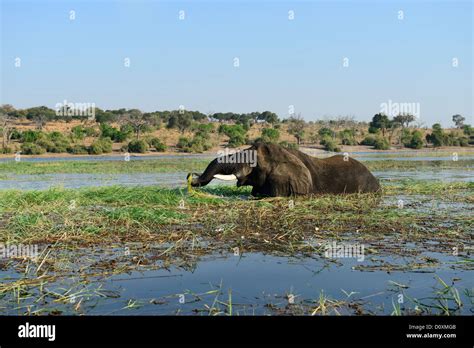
(282,172)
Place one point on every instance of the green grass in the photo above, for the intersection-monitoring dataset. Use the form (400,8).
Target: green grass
(167,227)
(227,213)
(387,164)
(104,167)
(8,169)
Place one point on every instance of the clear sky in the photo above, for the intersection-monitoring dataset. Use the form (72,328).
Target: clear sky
(282,62)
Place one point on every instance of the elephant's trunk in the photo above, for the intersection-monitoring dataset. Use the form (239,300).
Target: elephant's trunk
(214,168)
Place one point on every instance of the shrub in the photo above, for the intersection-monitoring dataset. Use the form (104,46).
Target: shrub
(326,132)
(467,129)
(78,132)
(103,145)
(329,144)
(416,141)
(16,135)
(54,142)
(288,145)
(183,143)
(30,136)
(369,140)
(347,137)
(463,141)
(270,135)
(203,129)
(437,137)
(373,130)
(117,136)
(56,136)
(381,144)
(157,144)
(6,150)
(45,143)
(236,133)
(77,150)
(90,132)
(32,149)
(405,137)
(137,146)
(197,144)
(200,144)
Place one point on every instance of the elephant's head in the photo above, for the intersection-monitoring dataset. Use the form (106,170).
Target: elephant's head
(238,166)
(270,169)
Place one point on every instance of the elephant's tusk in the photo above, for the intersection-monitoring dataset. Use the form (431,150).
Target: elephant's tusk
(229,177)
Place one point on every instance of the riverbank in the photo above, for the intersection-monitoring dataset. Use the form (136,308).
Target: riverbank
(315,150)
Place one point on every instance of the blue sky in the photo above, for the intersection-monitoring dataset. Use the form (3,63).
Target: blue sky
(283,62)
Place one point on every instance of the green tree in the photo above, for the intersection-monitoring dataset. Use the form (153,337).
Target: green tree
(437,136)
(41,115)
(459,120)
(404,120)
(268,117)
(236,133)
(379,121)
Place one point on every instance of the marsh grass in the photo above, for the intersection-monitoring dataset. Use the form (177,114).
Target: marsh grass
(174,227)
(11,168)
(116,213)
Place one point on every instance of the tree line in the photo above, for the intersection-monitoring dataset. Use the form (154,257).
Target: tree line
(132,127)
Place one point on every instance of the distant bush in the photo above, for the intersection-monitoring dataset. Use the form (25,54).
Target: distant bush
(16,135)
(468,130)
(183,142)
(415,141)
(329,144)
(157,144)
(54,142)
(78,132)
(77,150)
(197,144)
(326,132)
(203,129)
(137,146)
(347,137)
(374,130)
(30,136)
(439,138)
(116,135)
(100,146)
(32,149)
(90,132)
(288,145)
(463,141)
(237,134)
(369,140)
(6,150)
(381,143)
(270,135)
(200,144)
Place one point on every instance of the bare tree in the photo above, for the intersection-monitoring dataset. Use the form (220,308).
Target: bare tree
(7,129)
(137,120)
(296,125)
(404,120)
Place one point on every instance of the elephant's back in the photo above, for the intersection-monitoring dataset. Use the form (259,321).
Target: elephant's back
(343,173)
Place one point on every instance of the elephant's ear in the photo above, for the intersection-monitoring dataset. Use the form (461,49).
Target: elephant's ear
(290,177)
